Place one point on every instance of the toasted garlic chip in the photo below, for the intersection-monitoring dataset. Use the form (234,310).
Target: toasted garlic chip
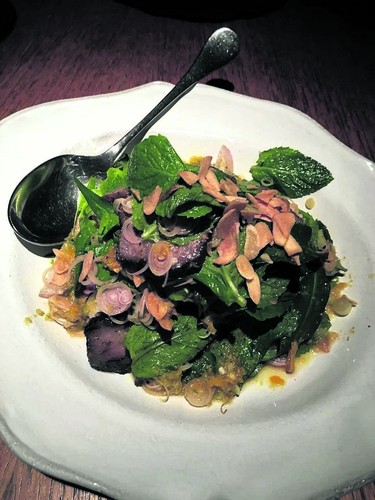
(253,288)
(244,267)
(252,242)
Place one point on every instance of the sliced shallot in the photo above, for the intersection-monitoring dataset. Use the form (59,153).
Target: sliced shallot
(199,393)
(160,258)
(128,232)
(114,298)
(204,166)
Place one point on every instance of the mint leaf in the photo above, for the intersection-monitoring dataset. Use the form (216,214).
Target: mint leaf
(290,171)
(152,355)
(153,162)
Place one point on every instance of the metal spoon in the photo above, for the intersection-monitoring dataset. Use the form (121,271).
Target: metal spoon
(42,207)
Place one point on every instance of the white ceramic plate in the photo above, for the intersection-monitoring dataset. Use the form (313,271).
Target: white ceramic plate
(312,439)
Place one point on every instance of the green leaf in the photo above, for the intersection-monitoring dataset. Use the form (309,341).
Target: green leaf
(309,220)
(243,350)
(138,215)
(260,347)
(149,231)
(184,240)
(182,197)
(323,328)
(272,304)
(311,303)
(202,365)
(153,162)
(116,179)
(196,211)
(271,311)
(277,254)
(223,281)
(87,229)
(82,208)
(107,217)
(102,248)
(152,355)
(103,273)
(271,289)
(182,295)
(303,233)
(290,171)
(237,350)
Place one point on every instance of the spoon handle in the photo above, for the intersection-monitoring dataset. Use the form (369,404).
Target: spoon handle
(221,47)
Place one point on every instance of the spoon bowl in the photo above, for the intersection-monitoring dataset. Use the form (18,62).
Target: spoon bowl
(43,205)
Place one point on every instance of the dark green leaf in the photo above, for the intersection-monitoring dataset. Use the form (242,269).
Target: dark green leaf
(149,230)
(238,350)
(303,233)
(223,281)
(259,349)
(196,211)
(311,303)
(203,365)
(271,290)
(182,197)
(309,220)
(271,311)
(107,217)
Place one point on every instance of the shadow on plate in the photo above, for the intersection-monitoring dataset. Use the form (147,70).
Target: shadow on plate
(221,83)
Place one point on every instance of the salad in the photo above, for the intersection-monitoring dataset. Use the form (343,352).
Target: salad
(192,278)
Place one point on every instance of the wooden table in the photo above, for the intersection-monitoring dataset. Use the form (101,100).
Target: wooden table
(309,55)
